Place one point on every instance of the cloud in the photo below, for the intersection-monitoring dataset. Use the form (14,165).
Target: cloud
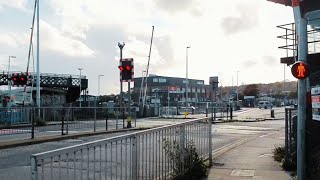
(270,60)
(249,63)
(18,4)
(246,19)
(52,39)
(179,6)
(13,40)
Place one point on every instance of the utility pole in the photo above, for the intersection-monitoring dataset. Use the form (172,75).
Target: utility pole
(301,26)
(80,87)
(121,86)
(38,58)
(237,91)
(9,81)
(187,81)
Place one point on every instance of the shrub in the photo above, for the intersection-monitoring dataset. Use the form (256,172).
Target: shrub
(188,166)
(39,121)
(278,153)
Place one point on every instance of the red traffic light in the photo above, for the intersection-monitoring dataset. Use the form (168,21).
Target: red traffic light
(300,70)
(128,68)
(121,68)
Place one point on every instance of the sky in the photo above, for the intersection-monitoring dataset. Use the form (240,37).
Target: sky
(224,36)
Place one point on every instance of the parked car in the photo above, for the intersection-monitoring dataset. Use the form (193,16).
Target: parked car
(265,104)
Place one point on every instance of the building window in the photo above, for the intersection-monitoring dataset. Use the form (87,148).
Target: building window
(155,80)
(162,80)
(184,81)
(199,82)
(193,90)
(203,91)
(183,90)
(198,90)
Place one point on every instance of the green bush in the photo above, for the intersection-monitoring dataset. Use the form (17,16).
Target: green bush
(278,153)
(39,121)
(189,166)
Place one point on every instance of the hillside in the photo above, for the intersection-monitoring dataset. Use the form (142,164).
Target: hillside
(276,88)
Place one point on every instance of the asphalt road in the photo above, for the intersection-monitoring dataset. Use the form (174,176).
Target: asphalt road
(15,162)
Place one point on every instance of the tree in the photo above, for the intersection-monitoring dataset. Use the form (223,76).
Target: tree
(293,95)
(251,90)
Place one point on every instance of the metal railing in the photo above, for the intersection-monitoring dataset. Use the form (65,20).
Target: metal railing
(62,120)
(140,155)
(290,132)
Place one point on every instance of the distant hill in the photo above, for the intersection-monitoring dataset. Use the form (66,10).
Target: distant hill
(276,88)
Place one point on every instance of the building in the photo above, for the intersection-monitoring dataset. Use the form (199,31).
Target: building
(158,86)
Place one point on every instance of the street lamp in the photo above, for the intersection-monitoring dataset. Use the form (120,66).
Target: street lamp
(100,75)
(9,80)
(187,82)
(80,87)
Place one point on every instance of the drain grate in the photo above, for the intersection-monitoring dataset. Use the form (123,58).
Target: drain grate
(244,173)
(218,164)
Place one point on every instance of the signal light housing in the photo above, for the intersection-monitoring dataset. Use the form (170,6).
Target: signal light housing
(300,70)
(126,70)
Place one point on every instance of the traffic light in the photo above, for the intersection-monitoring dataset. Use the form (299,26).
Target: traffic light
(126,70)
(19,79)
(300,70)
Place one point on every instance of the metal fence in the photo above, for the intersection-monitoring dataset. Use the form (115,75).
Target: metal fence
(63,120)
(159,153)
(290,132)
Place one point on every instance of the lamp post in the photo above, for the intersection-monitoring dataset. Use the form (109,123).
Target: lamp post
(100,75)
(80,87)
(9,81)
(187,75)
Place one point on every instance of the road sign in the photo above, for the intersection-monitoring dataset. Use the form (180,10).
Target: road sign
(315,101)
(300,70)
(173,89)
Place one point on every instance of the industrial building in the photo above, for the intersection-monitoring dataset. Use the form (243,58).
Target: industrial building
(159,88)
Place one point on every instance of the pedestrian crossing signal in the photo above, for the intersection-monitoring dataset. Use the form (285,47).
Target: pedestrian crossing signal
(300,70)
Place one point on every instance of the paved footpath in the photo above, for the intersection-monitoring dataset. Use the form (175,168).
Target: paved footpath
(251,161)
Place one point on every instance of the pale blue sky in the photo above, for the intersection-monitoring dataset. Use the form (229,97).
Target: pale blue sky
(224,37)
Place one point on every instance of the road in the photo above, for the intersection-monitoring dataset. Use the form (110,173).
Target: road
(15,162)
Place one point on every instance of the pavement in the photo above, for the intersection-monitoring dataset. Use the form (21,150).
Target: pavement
(250,159)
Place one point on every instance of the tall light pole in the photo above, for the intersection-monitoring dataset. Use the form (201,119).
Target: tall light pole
(237,90)
(80,87)
(100,75)
(38,58)
(187,82)
(9,81)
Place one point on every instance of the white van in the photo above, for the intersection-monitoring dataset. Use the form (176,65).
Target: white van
(265,104)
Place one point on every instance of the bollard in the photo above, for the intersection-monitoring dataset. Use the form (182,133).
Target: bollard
(206,112)
(272,113)
(107,116)
(231,112)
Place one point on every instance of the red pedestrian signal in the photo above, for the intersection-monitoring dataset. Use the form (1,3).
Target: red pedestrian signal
(300,70)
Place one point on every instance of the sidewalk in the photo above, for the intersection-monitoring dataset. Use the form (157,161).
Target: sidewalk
(251,160)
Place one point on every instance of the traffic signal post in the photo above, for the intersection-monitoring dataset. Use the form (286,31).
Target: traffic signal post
(127,75)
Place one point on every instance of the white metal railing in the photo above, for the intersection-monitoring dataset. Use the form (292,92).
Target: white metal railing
(139,155)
